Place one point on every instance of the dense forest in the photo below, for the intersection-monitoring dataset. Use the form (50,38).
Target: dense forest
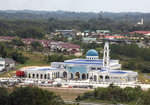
(66,15)
(29,96)
(36,24)
(38,29)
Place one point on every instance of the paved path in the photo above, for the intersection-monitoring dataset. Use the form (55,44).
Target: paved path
(147,76)
(3,72)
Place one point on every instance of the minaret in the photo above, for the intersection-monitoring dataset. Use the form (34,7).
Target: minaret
(142,21)
(106,57)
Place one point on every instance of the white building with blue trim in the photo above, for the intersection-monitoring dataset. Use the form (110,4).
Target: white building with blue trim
(93,68)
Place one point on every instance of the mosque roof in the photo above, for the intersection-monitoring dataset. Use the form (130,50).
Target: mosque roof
(88,61)
(43,68)
(92,52)
(83,63)
(118,72)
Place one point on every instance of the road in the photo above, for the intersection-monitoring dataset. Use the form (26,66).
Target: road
(3,72)
(89,103)
(147,76)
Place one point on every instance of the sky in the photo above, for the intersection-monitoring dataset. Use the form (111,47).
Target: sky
(78,5)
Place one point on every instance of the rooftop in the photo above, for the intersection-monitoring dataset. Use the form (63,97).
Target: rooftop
(43,68)
(92,52)
(87,62)
(2,59)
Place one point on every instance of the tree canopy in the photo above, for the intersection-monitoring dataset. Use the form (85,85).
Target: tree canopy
(112,93)
(29,96)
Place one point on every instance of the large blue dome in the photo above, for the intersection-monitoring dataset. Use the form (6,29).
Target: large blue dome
(92,52)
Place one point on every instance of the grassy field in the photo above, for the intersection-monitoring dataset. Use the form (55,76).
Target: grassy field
(143,79)
(67,93)
(35,59)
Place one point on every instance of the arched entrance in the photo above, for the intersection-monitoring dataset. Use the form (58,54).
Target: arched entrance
(29,75)
(33,75)
(107,78)
(95,78)
(48,76)
(37,76)
(77,75)
(41,76)
(101,78)
(71,75)
(83,76)
(45,76)
(65,74)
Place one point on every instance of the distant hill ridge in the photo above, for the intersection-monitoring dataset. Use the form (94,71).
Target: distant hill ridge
(66,15)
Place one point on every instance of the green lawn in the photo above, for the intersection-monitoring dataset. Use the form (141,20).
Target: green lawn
(143,79)
(35,59)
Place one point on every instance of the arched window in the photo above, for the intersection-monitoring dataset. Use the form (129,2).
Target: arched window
(77,75)
(71,75)
(98,68)
(41,76)
(33,75)
(106,77)
(105,54)
(64,74)
(83,76)
(45,76)
(37,76)
(101,77)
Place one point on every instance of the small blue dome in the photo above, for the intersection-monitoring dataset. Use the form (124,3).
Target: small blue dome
(92,52)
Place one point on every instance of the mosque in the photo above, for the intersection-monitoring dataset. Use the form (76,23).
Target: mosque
(92,68)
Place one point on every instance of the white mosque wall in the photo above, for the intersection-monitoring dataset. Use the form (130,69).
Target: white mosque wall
(92,57)
(114,77)
(42,74)
(115,67)
(56,64)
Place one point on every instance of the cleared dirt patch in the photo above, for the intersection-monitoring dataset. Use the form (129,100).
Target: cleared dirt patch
(67,93)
